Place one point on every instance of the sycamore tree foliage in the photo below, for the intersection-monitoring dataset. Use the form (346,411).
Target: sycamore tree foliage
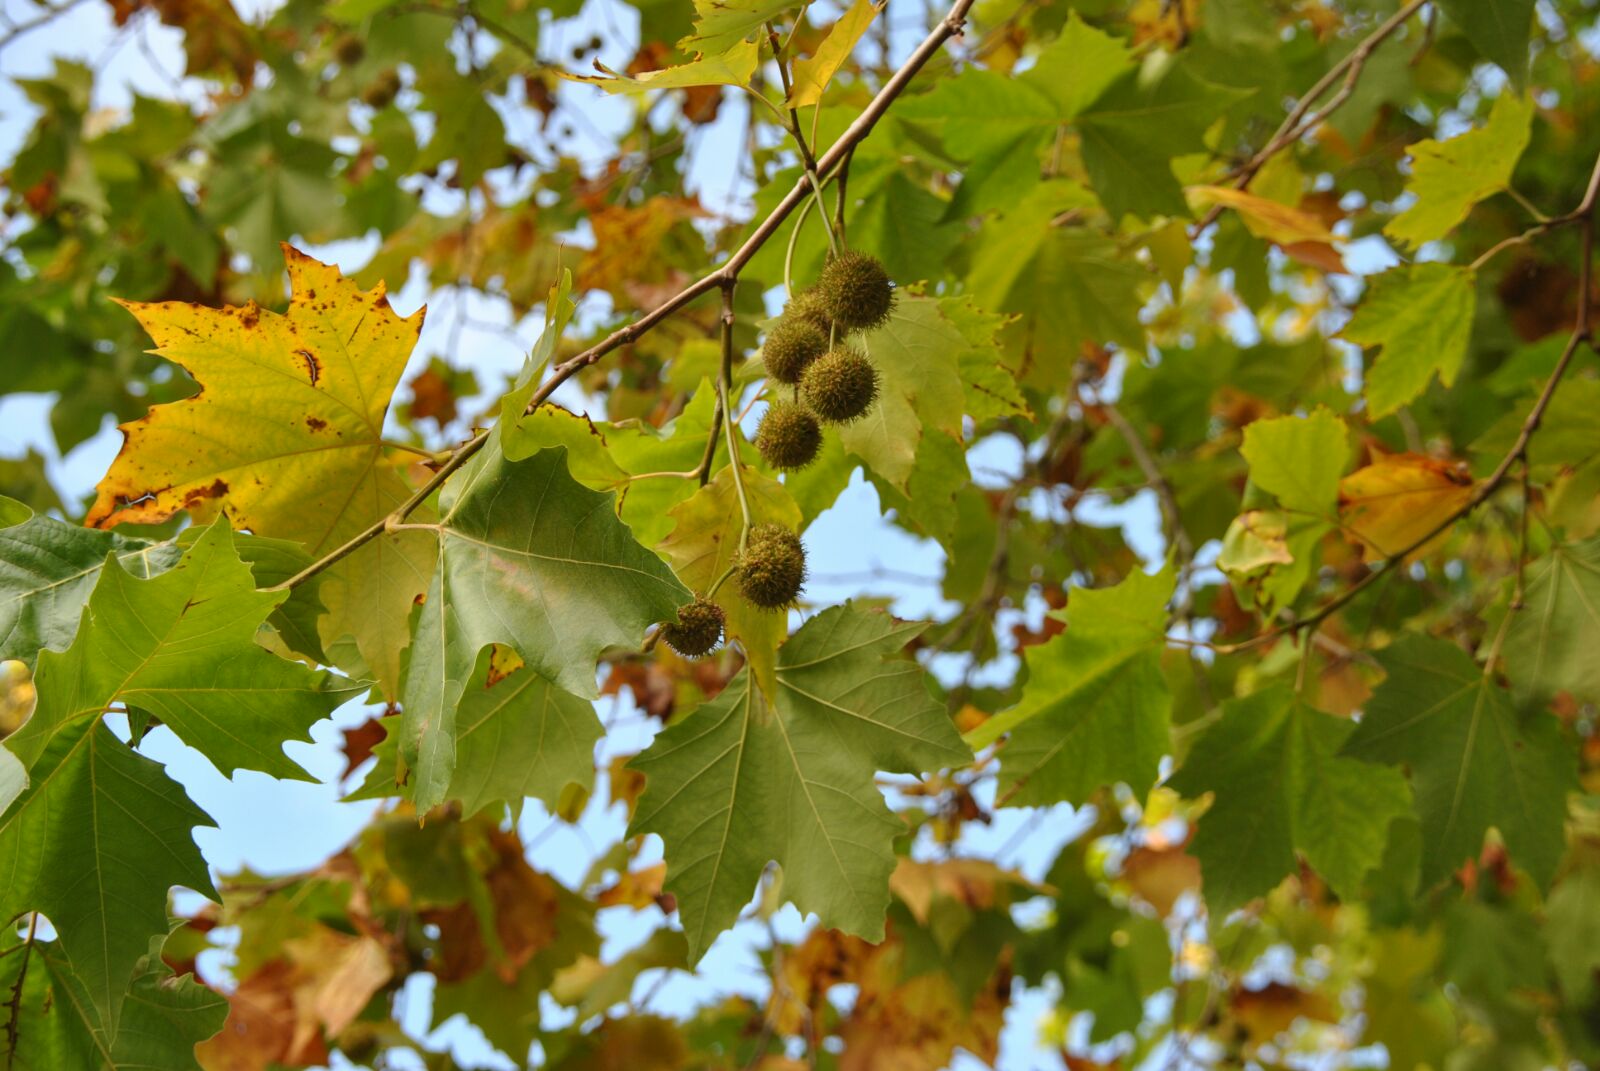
(1307,284)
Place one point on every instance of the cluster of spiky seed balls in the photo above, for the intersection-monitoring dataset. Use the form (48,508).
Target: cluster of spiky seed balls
(770,572)
(834,383)
(808,349)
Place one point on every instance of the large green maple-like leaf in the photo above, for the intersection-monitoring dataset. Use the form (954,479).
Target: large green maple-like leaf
(56,1026)
(48,569)
(531,559)
(182,647)
(705,543)
(1133,130)
(734,786)
(1096,708)
(97,834)
(1067,285)
(1499,29)
(94,842)
(1449,177)
(517,735)
(285,439)
(1473,762)
(1553,641)
(1273,765)
(917,355)
(1421,314)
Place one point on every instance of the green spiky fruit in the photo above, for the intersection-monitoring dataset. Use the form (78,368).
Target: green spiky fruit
(855,291)
(698,629)
(772,568)
(840,386)
(807,306)
(791,346)
(789,436)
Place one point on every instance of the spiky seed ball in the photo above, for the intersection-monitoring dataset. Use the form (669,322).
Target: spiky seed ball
(807,306)
(789,436)
(855,291)
(349,50)
(791,345)
(698,629)
(772,568)
(382,89)
(840,386)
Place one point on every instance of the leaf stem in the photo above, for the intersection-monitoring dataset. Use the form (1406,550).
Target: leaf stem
(716,584)
(723,382)
(793,125)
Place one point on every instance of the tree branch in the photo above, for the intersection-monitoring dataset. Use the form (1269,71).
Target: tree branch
(948,27)
(1582,333)
(1301,120)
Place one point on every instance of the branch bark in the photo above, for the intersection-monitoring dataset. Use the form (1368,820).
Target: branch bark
(724,275)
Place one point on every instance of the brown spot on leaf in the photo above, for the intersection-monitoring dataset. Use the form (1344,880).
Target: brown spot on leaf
(195,495)
(250,315)
(316,423)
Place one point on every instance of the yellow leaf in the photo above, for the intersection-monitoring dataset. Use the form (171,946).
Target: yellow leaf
(812,75)
(1265,219)
(1398,499)
(285,439)
(735,67)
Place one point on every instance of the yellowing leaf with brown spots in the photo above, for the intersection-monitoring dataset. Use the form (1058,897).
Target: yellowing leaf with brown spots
(1399,499)
(284,437)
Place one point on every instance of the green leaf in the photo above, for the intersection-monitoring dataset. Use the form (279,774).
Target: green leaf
(1499,29)
(531,559)
(1299,459)
(734,786)
(56,1026)
(1133,130)
(1573,927)
(1095,710)
(516,736)
(604,456)
(1273,766)
(1449,177)
(990,384)
(94,842)
(704,543)
(1067,285)
(1552,643)
(182,647)
(1078,66)
(1472,761)
(47,570)
(917,355)
(466,129)
(1421,315)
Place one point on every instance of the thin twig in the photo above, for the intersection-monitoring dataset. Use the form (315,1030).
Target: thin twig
(1583,216)
(44,18)
(1301,120)
(950,26)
